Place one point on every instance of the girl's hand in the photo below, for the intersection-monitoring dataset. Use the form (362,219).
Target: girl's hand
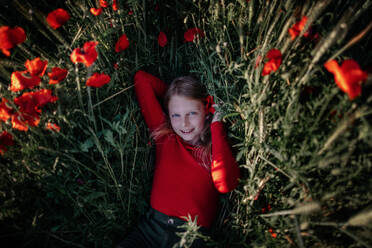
(217,115)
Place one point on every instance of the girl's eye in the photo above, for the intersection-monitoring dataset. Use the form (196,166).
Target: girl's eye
(175,115)
(193,113)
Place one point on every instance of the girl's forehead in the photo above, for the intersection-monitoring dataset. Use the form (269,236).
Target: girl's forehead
(184,102)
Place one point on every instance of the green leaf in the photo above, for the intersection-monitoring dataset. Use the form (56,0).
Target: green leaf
(109,136)
(86,145)
(94,196)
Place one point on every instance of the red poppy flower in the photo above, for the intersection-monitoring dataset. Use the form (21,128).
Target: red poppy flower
(191,33)
(209,105)
(348,76)
(21,121)
(28,115)
(52,127)
(36,67)
(57,18)
(29,104)
(116,66)
(57,75)
(86,55)
(296,28)
(103,3)
(115,5)
(130,12)
(6,139)
(44,96)
(122,43)
(98,80)
(31,101)
(275,59)
(95,11)
(162,39)
(19,81)
(10,37)
(5,110)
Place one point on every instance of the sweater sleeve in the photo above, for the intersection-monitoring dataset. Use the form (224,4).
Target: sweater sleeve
(224,168)
(148,90)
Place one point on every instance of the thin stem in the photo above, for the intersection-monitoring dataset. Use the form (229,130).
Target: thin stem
(112,96)
(80,98)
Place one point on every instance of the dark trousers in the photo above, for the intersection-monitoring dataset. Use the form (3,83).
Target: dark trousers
(157,230)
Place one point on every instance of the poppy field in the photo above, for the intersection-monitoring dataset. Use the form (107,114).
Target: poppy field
(292,80)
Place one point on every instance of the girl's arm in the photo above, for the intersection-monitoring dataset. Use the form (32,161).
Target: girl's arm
(148,89)
(224,168)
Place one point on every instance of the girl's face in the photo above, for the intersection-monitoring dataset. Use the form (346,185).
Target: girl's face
(187,117)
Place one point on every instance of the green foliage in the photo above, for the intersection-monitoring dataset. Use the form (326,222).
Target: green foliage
(303,147)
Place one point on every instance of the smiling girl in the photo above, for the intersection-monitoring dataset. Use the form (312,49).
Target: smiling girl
(193,164)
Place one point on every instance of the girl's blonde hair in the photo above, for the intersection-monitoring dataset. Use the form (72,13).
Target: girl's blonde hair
(189,87)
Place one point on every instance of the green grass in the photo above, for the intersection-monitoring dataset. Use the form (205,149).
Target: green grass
(302,146)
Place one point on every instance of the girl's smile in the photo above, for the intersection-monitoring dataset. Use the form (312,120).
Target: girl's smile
(187,117)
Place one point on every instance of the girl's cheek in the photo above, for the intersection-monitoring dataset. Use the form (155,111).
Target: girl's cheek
(174,122)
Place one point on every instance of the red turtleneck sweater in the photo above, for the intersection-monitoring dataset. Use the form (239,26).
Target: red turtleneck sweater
(181,187)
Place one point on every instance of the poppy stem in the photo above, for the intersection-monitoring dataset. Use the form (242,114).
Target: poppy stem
(131,175)
(298,233)
(80,98)
(90,105)
(90,108)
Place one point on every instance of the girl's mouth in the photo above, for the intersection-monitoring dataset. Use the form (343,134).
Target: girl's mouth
(186,131)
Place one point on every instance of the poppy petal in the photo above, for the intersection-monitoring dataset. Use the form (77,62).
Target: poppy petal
(28,114)
(86,55)
(43,97)
(115,6)
(162,39)
(21,121)
(10,37)
(98,80)
(296,28)
(5,52)
(6,139)
(52,127)
(192,33)
(5,110)
(348,76)
(96,11)
(275,60)
(103,3)
(29,102)
(20,81)
(122,43)
(57,75)
(5,40)
(36,67)
(57,18)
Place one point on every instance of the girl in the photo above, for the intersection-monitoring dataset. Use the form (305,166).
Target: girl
(193,163)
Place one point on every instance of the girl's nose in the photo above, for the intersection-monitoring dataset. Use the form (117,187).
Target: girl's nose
(185,121)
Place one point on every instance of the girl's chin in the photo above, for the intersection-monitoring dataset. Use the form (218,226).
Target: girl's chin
(186,138)
(189,140)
